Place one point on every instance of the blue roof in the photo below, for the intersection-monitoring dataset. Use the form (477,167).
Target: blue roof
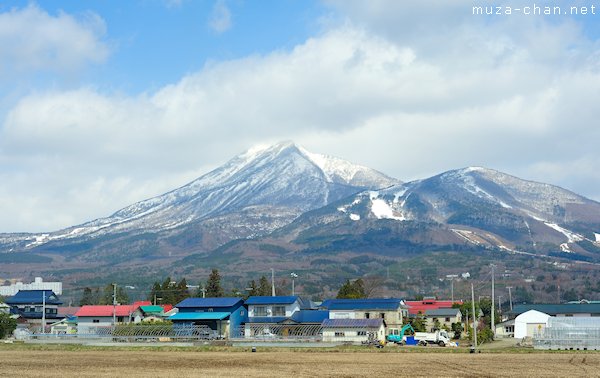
(199,316)
(209,302)
(310,316)
(352,323)
(272,300)
(34,297)
(362,304)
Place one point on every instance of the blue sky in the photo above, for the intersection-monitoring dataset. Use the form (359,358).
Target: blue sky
(105,103)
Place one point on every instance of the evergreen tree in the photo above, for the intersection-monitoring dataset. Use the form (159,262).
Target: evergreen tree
(107,297)
(181,291)
(87,298)
(352,290)
(264,287)
(253,289)
(213,285)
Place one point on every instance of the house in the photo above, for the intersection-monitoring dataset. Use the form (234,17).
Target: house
(92,317)
(353,331)
(35,305)
(564,309)
(150,313)
(505,329)
(391,310)
(224,316)
(429,303)
(442,317)
(282,316)
(529,322)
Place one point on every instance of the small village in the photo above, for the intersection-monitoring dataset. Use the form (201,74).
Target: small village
(39,315)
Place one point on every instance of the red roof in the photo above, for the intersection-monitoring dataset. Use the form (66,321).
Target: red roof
(414,307)
(107,310)
(167,307)
(67,311)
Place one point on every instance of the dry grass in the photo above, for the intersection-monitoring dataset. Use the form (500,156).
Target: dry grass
(18,362)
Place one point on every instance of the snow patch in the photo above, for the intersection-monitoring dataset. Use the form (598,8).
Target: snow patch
(597,237)
(572,237)
(382,210)
(355,217)
(565,248)
(373,194)
(399,194)
(342,209)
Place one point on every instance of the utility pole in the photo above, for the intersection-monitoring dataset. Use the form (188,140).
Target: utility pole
(499,304)
(474,317)
(203,290)
(509,296)
(272,282)
(452,290)
(294,275)
(114,304)
(493,325)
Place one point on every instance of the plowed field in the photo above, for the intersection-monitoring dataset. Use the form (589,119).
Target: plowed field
(112,363)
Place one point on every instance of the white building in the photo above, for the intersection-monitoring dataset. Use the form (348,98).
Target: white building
(37,284)
(529,322)
(353,331)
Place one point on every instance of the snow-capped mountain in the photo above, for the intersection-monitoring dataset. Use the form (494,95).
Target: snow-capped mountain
(475,206)
(252,194)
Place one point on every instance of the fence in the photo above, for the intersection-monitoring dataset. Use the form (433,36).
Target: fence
(569,333)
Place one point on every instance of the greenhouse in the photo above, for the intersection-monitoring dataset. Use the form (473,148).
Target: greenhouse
(569,333)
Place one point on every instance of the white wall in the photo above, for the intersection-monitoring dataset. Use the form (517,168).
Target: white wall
(528,321)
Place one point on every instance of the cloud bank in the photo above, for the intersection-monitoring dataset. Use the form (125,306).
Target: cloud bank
(414,97)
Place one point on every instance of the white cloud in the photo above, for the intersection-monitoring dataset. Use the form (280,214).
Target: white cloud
(33,40)
(220,18)
(525,105)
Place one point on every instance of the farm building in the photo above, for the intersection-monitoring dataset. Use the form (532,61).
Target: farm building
(353,331)
(224,316)
(391,310)
(65,326)
(150,313)
(529,322)
(576,333)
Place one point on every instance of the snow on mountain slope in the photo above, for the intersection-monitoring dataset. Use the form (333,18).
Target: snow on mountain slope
(523,212)
(283,178)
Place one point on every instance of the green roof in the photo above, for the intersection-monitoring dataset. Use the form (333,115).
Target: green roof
(199,316)
(151,309)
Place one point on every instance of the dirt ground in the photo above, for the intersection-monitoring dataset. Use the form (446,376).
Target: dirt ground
(113,363)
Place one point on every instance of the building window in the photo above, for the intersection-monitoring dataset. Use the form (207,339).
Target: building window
(362,333)
(340,334)
(95,320)
(367,315)
(210,310)
(447,319)
(242,312)
(382,315)
(278,310)
(260,311)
